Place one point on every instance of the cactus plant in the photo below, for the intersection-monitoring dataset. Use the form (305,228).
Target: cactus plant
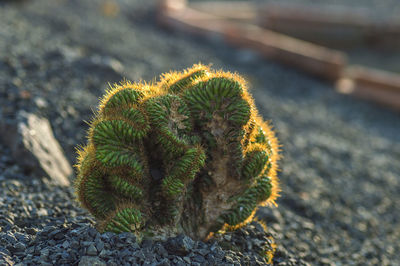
(188,154)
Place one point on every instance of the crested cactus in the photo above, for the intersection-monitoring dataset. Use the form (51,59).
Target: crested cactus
(188,154)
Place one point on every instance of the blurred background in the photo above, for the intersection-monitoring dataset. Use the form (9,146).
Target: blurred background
(326,73)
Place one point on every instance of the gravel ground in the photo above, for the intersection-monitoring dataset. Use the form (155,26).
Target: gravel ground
(41,225)
(340,174)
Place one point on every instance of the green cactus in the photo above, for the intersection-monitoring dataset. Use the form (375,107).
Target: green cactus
(188,154)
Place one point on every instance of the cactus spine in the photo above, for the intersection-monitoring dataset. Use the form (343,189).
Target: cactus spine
(189,154)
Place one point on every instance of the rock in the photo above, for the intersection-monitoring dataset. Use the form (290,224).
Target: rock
(104,253)
(164,262)
(227,237)
(42,212)
(91,261)
(139,255)
(19,247)
(160,250)
(44,253)
(48,229)
(75,244)
(229,260)
(180,245)
(34,147)
(41,103)
(65,244)
(56,234)
(91,251)
(99,245)
(31,231)
(203,252)
(187,260)
(199,259)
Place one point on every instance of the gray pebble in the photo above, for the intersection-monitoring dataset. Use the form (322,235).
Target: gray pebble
(91,261)
(65,244)
(99,245)
(91,251)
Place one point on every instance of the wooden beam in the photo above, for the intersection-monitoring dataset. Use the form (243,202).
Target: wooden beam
(234,10)
(372,84)
(308,57)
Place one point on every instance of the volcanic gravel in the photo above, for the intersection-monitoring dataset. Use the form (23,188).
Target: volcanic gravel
(340,175)
(41,225)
